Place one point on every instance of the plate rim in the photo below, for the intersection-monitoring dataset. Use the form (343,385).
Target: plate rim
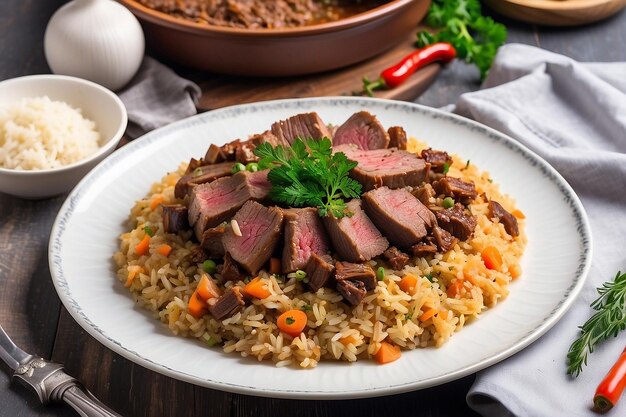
(65,213)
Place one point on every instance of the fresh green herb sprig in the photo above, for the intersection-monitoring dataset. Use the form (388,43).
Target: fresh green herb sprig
(308,174)
(475,37)
(608,321)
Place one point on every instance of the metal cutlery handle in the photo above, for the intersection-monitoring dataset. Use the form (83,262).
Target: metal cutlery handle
(85,404)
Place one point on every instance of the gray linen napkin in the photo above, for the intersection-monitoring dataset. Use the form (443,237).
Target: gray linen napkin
(157,96)
(574,116)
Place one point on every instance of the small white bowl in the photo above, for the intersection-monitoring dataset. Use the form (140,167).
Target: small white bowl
(96,103)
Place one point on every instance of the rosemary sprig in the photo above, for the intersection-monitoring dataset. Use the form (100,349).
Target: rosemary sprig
(607,322)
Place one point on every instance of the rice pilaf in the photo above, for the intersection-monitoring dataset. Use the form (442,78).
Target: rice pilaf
(426,316)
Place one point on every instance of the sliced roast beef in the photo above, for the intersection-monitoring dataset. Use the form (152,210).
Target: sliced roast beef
(436,159)
(319,270)
(457,220)
(424,193)
(363,130)
(245,153)
(356,272)
(211,242)
(424,248)
(396,258)
(390,167)
(455,188)
(399,215)
(354,237)
(193,164)
(201,175)
(225,152)
(352,291)
(230,270)
(175,218)
(227,305)
(496,211)
(303,126)
(445,241)
(397,137)
(259,228)
(304,236)
(217,201)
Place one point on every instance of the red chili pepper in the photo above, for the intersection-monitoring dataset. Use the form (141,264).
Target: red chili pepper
(397,74)
(612,386)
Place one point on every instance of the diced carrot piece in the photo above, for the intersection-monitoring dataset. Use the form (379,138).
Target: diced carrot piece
(387,353)
(133,271)
(515,270)
(275,266)
(207,288)
(430,312)
(518,214)
(492,258)
(257,288)
(408,284)
(347,340)
(156,200)
(455,288)
(143,246)
(164,249)
(197,307)
(292,322)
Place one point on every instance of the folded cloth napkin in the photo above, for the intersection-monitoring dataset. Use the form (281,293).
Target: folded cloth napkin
(157,96)
(574,116)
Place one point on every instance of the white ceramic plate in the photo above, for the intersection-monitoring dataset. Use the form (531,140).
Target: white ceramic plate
(85,235)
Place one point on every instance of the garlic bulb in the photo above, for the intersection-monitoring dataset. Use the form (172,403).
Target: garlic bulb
(99,40)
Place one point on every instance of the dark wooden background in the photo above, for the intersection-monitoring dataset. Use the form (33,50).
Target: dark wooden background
(32,314)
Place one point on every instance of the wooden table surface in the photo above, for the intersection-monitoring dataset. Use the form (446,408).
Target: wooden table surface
(32,314)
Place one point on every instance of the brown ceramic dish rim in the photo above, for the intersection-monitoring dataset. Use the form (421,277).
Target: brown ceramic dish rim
(201,28)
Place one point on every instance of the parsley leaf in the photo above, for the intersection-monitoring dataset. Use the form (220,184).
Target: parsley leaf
(475,37)
(308,174)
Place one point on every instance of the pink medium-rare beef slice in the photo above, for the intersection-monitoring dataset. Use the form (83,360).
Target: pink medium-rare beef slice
(363,130)
(401,217)
(217,201)
(386,167)
(260,229)
(202,175)
(355,238)
(304,236)
(303,126)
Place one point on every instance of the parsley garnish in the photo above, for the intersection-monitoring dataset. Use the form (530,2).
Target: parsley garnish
(608,321)
(475,37)
(306,307)
(309,175)
(430,277)
(290,320)
(148,231)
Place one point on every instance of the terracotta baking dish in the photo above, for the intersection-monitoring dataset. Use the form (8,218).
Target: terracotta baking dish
(279,52)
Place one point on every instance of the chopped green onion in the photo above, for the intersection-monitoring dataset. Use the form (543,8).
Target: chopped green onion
(209,266)
(490,180)
(408,316)
(252,167)
(446,167)
(380,273)
(148,231)
(211,341)
(247,279)
(290,320)
(450,268)
(197,172)
(306,307)
(300,275)
(448,202)
(238,167)
(430,277)
(467,164)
